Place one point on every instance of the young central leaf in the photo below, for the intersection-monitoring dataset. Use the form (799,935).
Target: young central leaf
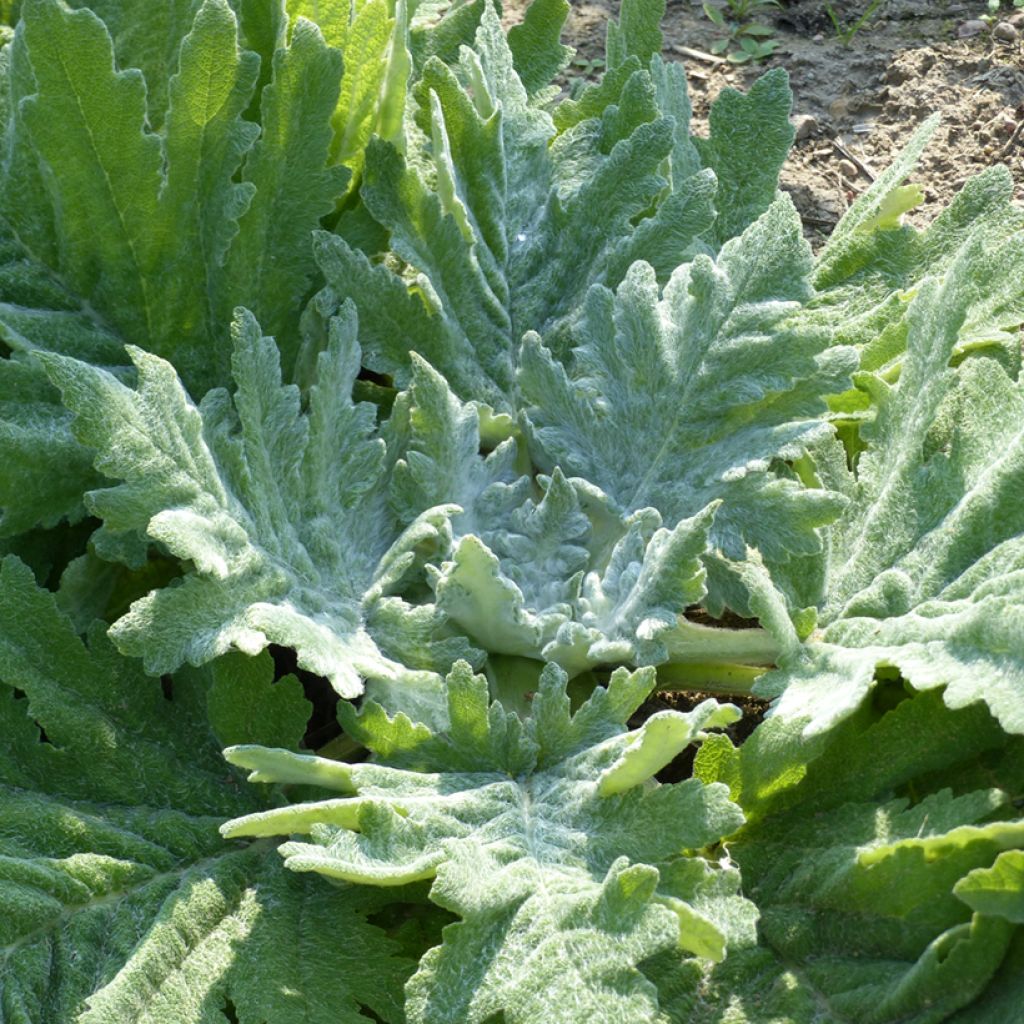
(538,578)
(284,516)
(565,864)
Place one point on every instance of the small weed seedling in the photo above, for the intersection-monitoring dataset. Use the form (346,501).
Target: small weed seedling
(845,33)
(588,67)
(746,40)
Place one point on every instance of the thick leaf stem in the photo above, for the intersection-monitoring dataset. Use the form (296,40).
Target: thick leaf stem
(719,679)
(691,642)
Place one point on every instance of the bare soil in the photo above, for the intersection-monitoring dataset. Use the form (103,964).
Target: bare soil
(865,98)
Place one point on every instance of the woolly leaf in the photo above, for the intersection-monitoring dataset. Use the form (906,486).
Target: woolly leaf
(153,51)
(283,515)
(86,123)
(560,578)
(927,569)
(372,95)
(749,139)
(873,262)
(539,835)
(45,470)
(637,33)
(164,233)
(863,862)
(247,705)
(998,890)
(536,51)
(711,385)
(502,241)
(270,266)
(120,901)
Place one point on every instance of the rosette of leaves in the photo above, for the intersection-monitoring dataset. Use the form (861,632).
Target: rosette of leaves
(590,437)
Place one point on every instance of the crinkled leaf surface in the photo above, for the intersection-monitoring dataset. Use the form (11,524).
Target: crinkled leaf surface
(747,179)
(282,514)
(710,384)
(870,853)
(748,139)
(502,241)
(154,51)
(661,440)
(873,260)
(163,233)
(537,50)
(926,569)
(636,33)
(548,605)
(46,470)
(869,271)
(554,577)
(564,868)
(269,267)
(121,903)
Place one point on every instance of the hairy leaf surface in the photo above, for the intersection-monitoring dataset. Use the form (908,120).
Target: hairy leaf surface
(163,233)
(283,514)
(560,577)
(926,569)
(712,385)
(869,853)
(564,868)
(120,901)
(501,241)
(603,410)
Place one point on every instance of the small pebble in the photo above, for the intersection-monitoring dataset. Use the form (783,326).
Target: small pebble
(819,38)
(1006,32)
(848,169)
(971,28)
(805,124)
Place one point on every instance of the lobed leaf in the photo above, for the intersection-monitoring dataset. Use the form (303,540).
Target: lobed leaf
(564,868)
(164,231)
(861,851)
(500,241)
(283,515)
(120,902)
(712,384)
(926,563)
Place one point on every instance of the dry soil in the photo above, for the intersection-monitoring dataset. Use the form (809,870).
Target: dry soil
(859,102)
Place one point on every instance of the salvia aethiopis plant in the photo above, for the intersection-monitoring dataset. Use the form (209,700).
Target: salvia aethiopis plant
(468,463)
